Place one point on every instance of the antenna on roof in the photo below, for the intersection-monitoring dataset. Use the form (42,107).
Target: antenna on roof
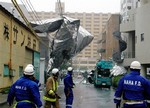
(60,8)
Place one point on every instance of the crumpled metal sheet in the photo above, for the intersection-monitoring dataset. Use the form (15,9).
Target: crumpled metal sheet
(118,70)
(83,39)
(49,25)
(117,56)
(69,40)
(104,64)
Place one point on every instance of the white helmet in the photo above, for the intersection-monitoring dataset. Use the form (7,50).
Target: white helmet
(55,71)
(70,69)
(29,70)
(30,65)
(135,65)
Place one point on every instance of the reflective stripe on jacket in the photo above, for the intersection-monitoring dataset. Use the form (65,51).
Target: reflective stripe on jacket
(22,101)
(49,99)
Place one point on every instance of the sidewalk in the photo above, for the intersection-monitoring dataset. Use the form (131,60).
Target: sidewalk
(3,98)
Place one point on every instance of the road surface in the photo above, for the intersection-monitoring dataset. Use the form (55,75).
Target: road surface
(85,96)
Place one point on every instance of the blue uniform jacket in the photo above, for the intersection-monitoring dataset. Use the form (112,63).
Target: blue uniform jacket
(68,82)
(133,87)
(24,89)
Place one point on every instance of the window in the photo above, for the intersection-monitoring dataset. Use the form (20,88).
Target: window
(137,4)
(6,70)
(142,37)
(83,62)
(91,62)
(128,7)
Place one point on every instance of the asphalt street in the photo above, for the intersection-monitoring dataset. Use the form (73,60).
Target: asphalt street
(85,96)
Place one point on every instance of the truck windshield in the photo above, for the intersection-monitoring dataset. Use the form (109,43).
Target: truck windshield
(104,72)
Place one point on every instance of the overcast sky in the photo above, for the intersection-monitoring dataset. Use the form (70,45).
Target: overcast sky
(105,6)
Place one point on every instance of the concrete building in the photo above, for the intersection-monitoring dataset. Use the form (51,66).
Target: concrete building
(136,34)
(127,5)
(44,45)
(93,23)
(18,47)
(108,43)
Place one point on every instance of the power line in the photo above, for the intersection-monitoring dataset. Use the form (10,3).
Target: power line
(26,21)
(31,8)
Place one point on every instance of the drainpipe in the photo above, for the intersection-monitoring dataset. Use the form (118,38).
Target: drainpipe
(10,56)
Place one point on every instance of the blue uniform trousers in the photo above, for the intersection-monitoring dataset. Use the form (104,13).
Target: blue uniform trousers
(69,101)
(69,98)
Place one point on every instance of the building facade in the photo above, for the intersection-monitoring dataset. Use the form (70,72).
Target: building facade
(109,44)
(137,36)
(127,5)
(18,47)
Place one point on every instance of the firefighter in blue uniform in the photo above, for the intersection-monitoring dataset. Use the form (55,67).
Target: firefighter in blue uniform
(133,88)
(34,79)
(25,91)
(68,85)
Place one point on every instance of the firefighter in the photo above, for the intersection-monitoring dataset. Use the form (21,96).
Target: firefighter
(51,97)
(34,79)
(25,91)
(133,88)
(68,85)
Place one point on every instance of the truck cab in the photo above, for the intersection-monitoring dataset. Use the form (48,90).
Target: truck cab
(102,76)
